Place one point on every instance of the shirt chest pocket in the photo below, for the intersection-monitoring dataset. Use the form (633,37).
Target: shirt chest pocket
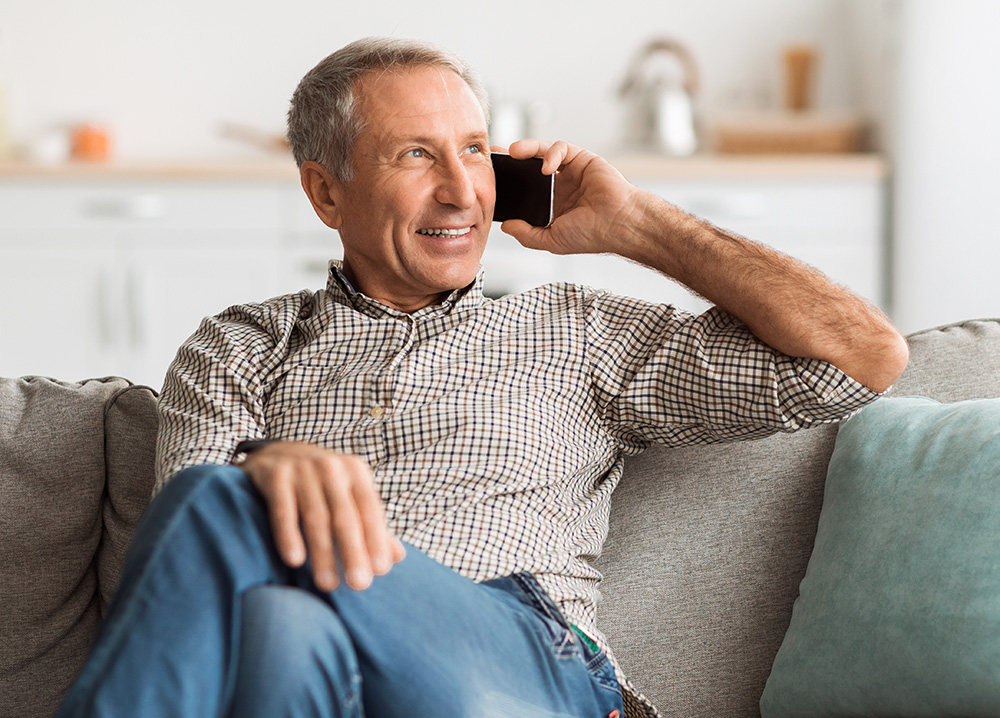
(302,387)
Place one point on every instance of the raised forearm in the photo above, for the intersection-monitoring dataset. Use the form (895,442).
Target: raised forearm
(785,303)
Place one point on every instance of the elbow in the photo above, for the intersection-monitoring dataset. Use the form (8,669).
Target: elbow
(886,362)
(901,356)
(876,359)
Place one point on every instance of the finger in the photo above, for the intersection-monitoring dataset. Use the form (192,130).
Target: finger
(526,234)
(555,156)
(316,524)
(347,529)
(283,510)
(378,539)
(398,550)
(498,148)
(523,149)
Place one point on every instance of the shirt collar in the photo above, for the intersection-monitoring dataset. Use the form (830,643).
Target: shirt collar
(341,289)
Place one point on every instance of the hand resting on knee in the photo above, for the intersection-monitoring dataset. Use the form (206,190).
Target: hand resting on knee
(324,504)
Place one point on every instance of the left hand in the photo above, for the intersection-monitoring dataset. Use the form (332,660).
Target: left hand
(595,207)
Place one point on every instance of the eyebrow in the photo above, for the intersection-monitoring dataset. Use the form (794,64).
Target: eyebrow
(476,135)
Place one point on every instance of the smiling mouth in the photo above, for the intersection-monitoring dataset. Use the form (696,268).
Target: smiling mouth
(444,232)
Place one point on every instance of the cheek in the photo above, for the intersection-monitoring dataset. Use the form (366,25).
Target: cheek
(486,187)
(404,202)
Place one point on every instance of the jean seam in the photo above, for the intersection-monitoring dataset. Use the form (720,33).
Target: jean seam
(566,646)
(129,607)
(539,601)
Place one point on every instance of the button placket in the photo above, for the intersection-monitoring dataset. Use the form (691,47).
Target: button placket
(384,386)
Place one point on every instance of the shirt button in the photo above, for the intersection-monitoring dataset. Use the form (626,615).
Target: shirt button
(376,412)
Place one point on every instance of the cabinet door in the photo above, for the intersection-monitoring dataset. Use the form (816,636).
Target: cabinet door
(60,314)
(173,282)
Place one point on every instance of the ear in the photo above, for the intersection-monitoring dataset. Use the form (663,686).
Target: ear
(324,191)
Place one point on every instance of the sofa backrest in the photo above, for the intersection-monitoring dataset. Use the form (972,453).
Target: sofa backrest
(708,544)
(702,565)
(76,471)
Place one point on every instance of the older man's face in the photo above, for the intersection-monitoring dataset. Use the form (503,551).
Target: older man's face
(415,218)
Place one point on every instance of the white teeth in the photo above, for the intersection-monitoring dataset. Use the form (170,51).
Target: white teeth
(444,232)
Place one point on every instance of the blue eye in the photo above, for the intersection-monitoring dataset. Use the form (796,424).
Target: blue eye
(414,153)
(474,149)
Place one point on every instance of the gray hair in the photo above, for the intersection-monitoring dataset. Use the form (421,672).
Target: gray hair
(324,121)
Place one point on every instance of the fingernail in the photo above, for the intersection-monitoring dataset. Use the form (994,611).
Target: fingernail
(381,564)
(360,579)
(326,580)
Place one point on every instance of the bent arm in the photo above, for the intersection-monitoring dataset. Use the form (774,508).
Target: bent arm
(785,303)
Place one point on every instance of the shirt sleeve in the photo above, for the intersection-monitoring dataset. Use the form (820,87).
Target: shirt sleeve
(213,395)
(662,375)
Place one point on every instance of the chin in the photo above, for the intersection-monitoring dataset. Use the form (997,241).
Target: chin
(459,281)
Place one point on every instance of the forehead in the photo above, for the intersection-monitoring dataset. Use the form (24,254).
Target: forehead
(418,99)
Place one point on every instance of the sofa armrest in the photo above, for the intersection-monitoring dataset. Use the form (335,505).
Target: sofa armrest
(130,423)
(62,524)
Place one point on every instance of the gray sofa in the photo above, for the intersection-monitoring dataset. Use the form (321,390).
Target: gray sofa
(706,549)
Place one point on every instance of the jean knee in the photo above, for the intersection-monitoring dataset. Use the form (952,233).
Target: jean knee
(212,504)
(293,646)
(296,624)
(214,477)
(219,485)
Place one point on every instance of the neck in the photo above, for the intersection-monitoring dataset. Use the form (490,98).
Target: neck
(408,304)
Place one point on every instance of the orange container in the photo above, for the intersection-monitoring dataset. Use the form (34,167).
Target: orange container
(91,143)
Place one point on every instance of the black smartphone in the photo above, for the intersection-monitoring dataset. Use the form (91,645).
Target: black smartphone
(523,192)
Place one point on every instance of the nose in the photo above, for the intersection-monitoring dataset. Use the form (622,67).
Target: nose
(455,186)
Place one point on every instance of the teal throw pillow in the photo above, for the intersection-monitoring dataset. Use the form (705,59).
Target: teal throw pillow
(899,611)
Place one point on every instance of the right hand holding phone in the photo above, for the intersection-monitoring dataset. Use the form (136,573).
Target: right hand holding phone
(595,208)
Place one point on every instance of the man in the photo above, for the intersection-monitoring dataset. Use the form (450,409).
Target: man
(400,405)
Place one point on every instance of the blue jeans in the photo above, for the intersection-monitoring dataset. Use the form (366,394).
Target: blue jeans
(208,621)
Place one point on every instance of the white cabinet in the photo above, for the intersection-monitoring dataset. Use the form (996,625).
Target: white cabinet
(108,274)
(57,307)
(103,278)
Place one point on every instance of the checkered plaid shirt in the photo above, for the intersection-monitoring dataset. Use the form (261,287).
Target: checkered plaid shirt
(495,428)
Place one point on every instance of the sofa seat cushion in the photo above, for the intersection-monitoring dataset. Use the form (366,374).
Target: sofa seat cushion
(63,526)
(899,611)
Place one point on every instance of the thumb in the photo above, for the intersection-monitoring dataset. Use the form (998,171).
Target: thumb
(528,235)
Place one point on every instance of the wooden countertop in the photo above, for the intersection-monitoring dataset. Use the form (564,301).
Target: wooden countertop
(635,167)
(257,170)
(720,166)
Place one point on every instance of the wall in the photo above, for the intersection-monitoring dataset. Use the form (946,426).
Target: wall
(165,76)
(946,151)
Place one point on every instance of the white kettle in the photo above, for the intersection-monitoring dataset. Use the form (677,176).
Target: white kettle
(661,114)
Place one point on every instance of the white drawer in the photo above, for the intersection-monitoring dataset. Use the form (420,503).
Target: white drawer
(164,205)
(804,204)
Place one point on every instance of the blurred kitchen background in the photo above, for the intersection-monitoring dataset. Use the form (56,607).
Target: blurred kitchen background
(142,182)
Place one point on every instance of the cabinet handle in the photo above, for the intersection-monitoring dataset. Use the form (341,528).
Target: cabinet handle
(104,319)
(140,206)
(135,309)
(109,302)
(726,207)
